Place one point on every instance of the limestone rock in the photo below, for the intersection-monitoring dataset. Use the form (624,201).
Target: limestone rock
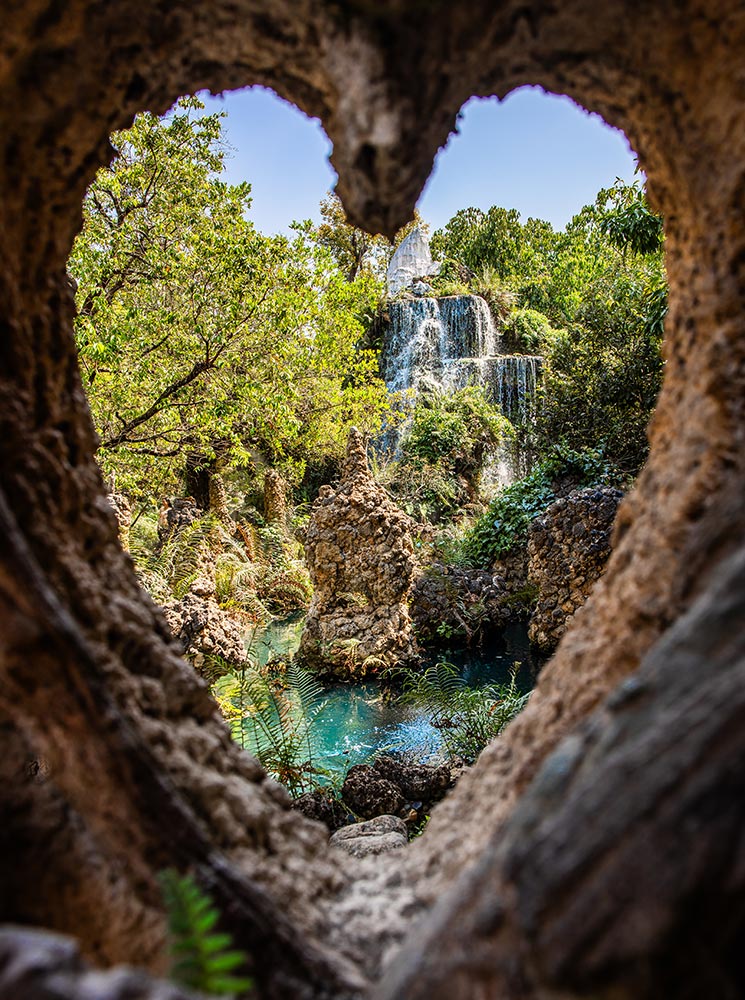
(360,557)
(324,808)
(123,514)
(389,783)
(568,549)
(460,603)
(275,499)
(209,637)
(411,262)
(376,836)
(418,782)
(175,514)
(369,794)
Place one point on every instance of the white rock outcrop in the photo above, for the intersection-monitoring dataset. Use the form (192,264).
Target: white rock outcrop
(412,262)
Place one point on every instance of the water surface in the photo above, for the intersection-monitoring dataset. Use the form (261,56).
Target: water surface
(358,720)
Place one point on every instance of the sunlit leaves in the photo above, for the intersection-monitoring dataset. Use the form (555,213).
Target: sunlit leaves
(194,328)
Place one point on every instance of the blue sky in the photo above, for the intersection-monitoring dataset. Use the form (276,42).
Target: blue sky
(535,152)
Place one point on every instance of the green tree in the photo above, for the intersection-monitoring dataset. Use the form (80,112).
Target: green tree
(608,290)
(353,249)
(197,334)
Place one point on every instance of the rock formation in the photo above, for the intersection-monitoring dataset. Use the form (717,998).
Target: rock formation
(375,836)
(595,849)
(209,637)
(360,557)
(174,515)
(448,603)
(411,263)
(123,514)
(568,549)
(275,499)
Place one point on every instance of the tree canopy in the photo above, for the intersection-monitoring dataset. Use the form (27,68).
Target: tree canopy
(195,330)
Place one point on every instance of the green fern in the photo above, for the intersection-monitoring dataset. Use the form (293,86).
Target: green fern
(272,713)
(468,718)
(203,959)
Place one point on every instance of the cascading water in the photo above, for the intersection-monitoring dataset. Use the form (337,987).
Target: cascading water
(450,343)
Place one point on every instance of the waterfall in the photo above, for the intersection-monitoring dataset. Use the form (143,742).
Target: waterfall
(427,336)
(450,343)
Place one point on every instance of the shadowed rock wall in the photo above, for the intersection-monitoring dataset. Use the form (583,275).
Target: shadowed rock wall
(568,548)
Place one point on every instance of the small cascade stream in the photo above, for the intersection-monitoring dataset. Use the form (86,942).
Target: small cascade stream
(452,342)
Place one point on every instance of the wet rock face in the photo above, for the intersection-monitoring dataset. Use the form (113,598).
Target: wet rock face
(361,560)
(568,549)
(209,637)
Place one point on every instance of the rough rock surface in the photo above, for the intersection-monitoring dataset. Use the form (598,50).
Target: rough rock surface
(376,836)
(209,637)
(37,965)
(512,571)
(141,768)
(176,514)
(324,808)
(568,549)
(275,499)
(369,794)
(447,602)
(390,783)
(424,783)
(123,514)
(360,556)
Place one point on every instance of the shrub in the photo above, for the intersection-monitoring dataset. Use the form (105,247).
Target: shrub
(526,331)
(504,526)
(468,718)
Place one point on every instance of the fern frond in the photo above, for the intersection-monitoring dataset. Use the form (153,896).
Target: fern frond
(203,959)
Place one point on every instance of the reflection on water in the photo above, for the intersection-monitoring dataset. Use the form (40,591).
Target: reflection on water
(358,720)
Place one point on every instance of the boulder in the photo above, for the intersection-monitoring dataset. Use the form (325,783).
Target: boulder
(209,637)
(176,513)
(369,794)
(360,556)
(323,807)
(417,782)
(376,836)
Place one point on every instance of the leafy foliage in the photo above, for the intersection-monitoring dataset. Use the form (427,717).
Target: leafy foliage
(195,329)
(167,571)
(272,713)
(504,525)
(527,331)
(353,249)
(592,299)
(444,450)
(468,718)
(203,959)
